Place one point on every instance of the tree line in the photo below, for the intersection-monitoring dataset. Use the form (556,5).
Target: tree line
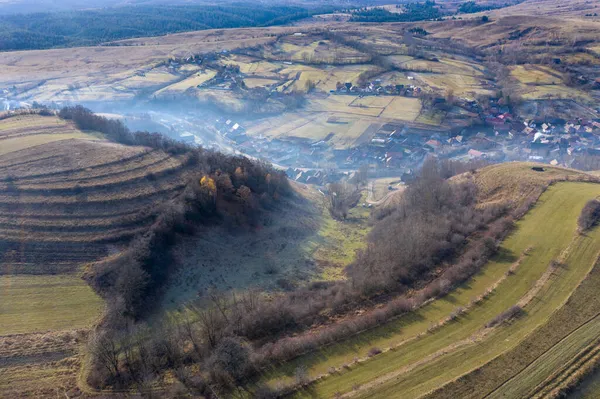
(412,12)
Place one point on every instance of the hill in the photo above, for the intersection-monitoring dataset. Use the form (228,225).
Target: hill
(93,26)
(68,194)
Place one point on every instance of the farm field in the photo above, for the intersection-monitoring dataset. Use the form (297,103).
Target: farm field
(407,332)
(191,82)
(40,364)
(65,193)
(313,49)
(46,303)
(380,187)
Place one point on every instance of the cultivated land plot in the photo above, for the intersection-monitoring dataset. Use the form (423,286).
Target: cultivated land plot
(259,82)
(253,66)
(403,108)
(39,365)
(46,303)
(320,51)
(372,102)
(346,128)
(23,132)
(461,85)
(340,104)
(221,98)
(529,74)
(191,82)
(530,233)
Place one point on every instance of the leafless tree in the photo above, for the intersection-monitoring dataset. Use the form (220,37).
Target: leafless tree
(340,198)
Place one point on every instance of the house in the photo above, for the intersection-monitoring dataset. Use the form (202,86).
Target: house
(475,154)
(433,144)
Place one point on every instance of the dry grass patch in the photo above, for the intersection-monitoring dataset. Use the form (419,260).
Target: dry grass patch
(372,102)
(529,74)
(259,82)
(191,82)
(403,108)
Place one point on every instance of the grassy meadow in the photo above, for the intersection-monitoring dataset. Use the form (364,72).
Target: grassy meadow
(46,303)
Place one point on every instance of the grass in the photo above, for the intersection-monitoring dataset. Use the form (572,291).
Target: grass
(381,187)
(21,143)
(340,104)
(461,85)
(188,83)
(44,303)
(259,82)
(431,117)
(403,108)
(568,331)
(528,74)
(589,388)
(341,240)
(372,101)
(547,242)
(315,126)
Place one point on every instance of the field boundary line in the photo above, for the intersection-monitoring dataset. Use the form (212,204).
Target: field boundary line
(554,382)
(532,332)
(528,335)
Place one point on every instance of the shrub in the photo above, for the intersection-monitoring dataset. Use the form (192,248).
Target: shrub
(590,215)
(512,313)
(374,351)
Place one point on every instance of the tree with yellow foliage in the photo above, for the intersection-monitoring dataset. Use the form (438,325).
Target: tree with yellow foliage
(209,184)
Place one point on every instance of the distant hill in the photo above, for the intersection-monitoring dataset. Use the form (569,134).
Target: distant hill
(67,28)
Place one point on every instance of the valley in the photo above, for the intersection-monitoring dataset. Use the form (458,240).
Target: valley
(301,200)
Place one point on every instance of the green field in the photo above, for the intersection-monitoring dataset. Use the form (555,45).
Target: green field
(421,361)
(46,303)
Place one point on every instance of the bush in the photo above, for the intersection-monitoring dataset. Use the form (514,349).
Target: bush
(590,215)
(374,352)
(512,313)
(230,360)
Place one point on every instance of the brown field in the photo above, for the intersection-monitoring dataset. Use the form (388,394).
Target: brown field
(314,49)
(41,365)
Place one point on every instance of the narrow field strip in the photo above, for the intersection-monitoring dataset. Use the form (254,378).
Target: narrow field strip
(507,372)
(544,228)
(21,143)
(478,336)
(551,297)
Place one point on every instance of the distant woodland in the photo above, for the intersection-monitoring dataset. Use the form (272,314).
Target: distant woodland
(90,27)
(411,12)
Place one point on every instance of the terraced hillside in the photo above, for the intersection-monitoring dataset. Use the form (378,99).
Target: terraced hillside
(66,194)
(67,197)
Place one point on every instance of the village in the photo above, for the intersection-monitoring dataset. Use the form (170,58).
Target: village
(398,149)
(284,104)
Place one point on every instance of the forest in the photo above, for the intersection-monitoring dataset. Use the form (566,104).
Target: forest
(412,12)
(91,27)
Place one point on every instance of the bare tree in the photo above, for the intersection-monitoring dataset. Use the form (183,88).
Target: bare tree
(106,351)
(340,198)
